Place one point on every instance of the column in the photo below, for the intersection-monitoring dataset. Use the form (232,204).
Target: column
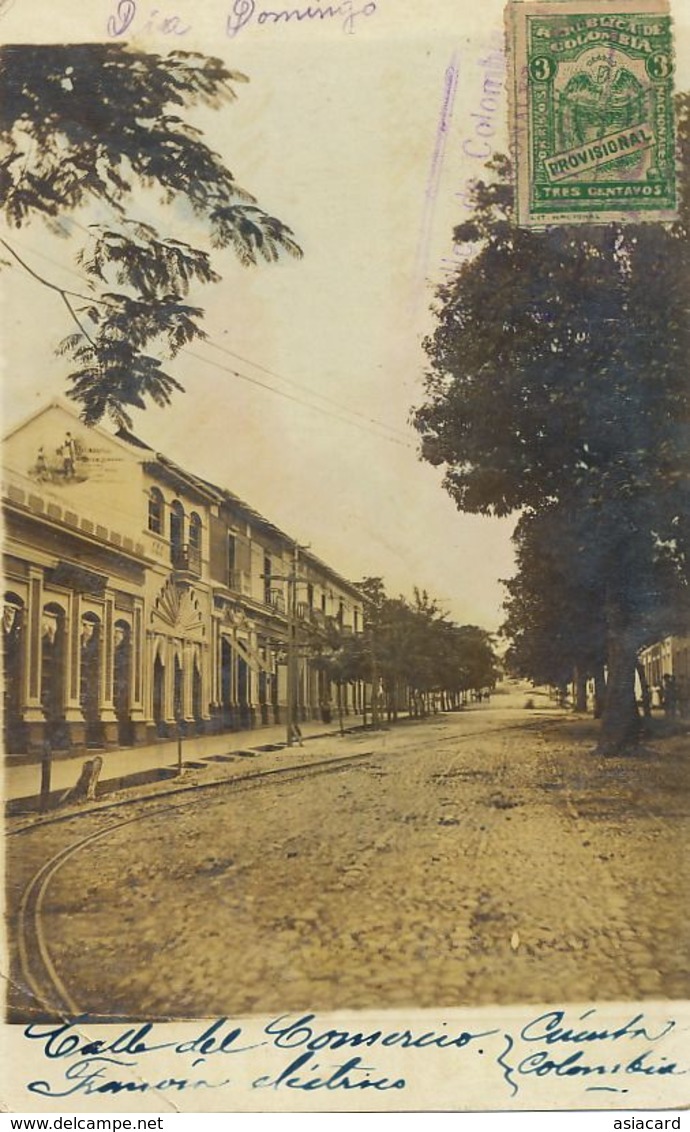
(215,656)
(74,717)
(141,699)
(149,721)
(206,655)
(31,708)
(215,661)
(106,706)
(169,686)
(254,669)
(187,689)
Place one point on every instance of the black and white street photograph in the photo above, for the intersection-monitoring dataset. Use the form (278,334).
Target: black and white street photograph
(346,555)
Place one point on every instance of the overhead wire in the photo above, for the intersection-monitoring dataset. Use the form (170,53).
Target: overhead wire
(290,396)
(366,426)
(209,341)
(306,388)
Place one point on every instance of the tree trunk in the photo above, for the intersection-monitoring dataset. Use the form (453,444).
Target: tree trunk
(85,788)
(646,695)
(620,721)
(599,691)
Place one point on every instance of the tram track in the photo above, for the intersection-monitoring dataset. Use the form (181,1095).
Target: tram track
(40,980)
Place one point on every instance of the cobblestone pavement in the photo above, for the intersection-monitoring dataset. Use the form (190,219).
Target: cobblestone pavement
(458,865)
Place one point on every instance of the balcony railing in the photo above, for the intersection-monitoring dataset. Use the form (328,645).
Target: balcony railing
(186,558)
(239,581)
(276,598)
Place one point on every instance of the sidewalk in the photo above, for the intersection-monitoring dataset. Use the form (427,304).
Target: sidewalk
(129,766)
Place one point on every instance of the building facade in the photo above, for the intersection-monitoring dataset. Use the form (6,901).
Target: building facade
(140,599)
(668,659)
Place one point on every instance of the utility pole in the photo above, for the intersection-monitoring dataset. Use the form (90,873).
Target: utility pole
(375,721)
(292,640)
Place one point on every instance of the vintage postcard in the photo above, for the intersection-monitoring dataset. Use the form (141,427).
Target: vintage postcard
(346,640)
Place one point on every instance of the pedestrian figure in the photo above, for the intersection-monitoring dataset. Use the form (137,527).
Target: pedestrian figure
(69,455)
(670,696)
(296,732)
(683,697)
(41,470)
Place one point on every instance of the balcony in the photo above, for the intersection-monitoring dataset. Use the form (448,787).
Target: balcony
(276,599)
(240,582)
(186,559)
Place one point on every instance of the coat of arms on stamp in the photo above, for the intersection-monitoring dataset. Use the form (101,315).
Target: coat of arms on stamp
(593,121)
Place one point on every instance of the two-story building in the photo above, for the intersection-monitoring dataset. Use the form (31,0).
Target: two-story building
(668,659)
(140,598)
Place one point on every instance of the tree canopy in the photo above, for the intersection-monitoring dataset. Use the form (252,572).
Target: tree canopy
(558,386)
(94,125)
(412,649)
(555,615)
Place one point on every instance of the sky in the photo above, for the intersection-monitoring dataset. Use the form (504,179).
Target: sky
(362,136)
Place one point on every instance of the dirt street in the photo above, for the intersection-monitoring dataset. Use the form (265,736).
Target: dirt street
(466,861)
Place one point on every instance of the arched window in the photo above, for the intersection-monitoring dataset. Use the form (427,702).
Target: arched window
(194,531)
(12,626)
(122,664)
(52,674)
(155,511)
(176,531)
(195,543)
(13,610)
(90,668)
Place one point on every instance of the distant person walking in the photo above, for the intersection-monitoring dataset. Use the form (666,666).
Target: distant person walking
(296,732)
(670,696)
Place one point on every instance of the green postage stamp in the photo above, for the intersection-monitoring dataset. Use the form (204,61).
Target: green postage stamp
(592,110)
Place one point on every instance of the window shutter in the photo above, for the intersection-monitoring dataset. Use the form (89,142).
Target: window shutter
(218,564)
(243,552)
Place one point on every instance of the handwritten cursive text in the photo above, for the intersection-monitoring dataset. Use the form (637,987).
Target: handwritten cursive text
(97,1075)
(126,13)
(246,12)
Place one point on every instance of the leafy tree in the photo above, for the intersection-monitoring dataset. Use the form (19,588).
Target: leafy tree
(412,649)
(340,654)
(559,377)
(87,127)
(472,664)
(555,606)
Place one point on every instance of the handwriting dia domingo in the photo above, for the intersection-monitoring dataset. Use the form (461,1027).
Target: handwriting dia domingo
(129,14)
(244,12)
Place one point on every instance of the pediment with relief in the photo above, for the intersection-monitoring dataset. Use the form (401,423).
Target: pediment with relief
(176,608)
